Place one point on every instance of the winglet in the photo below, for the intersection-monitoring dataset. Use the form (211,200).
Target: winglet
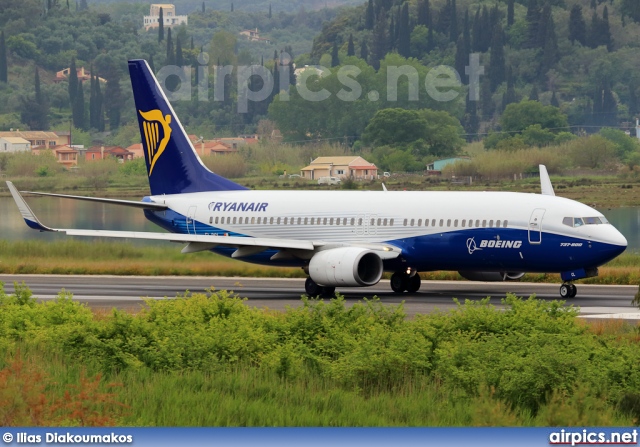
(545,182)
(28,215)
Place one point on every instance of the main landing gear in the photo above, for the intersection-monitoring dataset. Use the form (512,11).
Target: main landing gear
(568,290)
(314,289)
(401,281)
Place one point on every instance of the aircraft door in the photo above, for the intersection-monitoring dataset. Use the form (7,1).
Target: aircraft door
(191,220)
(535,226)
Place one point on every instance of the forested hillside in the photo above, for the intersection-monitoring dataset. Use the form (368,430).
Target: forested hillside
(287,6)
(575,60)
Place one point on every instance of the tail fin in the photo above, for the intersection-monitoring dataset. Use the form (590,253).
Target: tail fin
(173,165)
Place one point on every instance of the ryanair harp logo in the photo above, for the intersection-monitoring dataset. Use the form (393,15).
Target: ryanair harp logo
(156,141)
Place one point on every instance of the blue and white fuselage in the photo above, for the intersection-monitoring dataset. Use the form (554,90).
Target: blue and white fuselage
(349,238)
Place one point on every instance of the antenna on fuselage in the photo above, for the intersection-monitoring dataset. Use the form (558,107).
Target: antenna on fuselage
(545,182)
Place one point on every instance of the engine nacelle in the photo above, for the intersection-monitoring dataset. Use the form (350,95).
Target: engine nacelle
(346,267)
(492,276)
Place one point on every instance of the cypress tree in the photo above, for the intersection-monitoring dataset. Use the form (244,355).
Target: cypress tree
(533,96)
(554,100)
(4,72)
(485,30)
(380,40)
(605,31)
(114,98)
(453,26)
(179,57)
(471,121)
(364,51)
(39,98)
(73,83)
(231,6)
(369,17)
(84,5)
(609,106)
(486,99)
(596,117)
(392,34)
(423,12)
(466,36)
(78,109)
(577,26)
(404,36)
(510,13)
(593,38)
(633,99)
(545,18)
(92,103)
(269,15)
(476,43)
(509,96)
(444,19)
(593,4)
(161,26)
(461,57)
(99,106)
(497,61)
(335,60)
(202,7)
(170,57)
(431,43)
(550,54)
(351,50)
(533,22)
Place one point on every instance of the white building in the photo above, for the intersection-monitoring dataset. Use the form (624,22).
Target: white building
(168,14)
(14,144)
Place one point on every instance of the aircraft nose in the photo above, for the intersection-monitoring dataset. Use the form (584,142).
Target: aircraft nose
(618,238)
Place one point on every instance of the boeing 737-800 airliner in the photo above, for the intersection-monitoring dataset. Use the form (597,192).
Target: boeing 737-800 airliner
(349,238)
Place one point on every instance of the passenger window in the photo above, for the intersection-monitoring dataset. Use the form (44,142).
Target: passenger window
(331,221)
(433,222)
(490,223)
(259,220)
(325,221)
(426,222)
(477,223)
(253,220)
(412,221)
(391,223)
(498,223)
(419,222)
(384,222)
(278,222)
(306,220)
(216,220)
(405,222)
(484,224)
(441,222)
(285,220)
(360,221)
(271,221)
(234,220)
(353,221)
(448,223)
(211,220)
(455,223)
(504,224)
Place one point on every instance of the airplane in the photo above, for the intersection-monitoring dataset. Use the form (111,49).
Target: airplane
(350,238)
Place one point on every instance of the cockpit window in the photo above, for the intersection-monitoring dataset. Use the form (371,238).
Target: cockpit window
(592,220)
(580,221)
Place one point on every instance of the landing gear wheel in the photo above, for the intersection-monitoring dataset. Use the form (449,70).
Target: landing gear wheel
(312,288)
(413,283)
(328,292)
(399,282)
(568,290)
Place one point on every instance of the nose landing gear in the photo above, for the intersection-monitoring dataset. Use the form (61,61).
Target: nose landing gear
(568,290)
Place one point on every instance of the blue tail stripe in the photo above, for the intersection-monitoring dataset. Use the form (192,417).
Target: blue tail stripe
(172,163)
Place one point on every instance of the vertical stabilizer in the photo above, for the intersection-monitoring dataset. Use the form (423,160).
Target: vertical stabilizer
(545,182)
(173,165)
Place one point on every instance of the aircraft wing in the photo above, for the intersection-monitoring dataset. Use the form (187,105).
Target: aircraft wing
(245,246)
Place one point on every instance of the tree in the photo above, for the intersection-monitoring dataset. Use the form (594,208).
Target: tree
(78,108)
(453,25)
(404,32)
(550,55)
(577,26)
(269,15)
(592,152)
(364,51)
(425,132)
(3,59)
(170,58)
(461,57)
(605,31)
(510,13)
(84,5)
(497,61)
(533,22)
(35,112)
(231,6)
(519,116)
(423,13)
(533,96)
(351,51)
(161,26)
(179,57)
(630,8)
(370,18)
(554,100)
(509,96)
(380,40)
(335,60)
(203,8)
(73,82)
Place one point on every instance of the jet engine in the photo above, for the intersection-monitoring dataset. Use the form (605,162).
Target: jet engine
(492,276)
(346,267)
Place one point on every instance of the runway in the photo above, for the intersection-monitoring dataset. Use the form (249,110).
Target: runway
(127,292)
